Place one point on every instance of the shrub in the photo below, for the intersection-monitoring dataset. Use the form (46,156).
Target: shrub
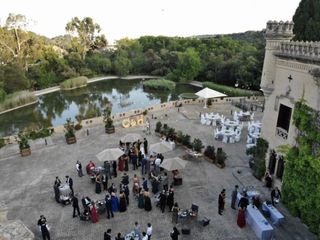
(35,134)
(179,136)
(158,127)
(69,127)
(258,153)
(23,141)
(159,84)
(2,142)
(186,140)
(188,96)
(221,157)
(17,99)
(231,91)
(108,122)
(74,83)
(197,145)
(210,152)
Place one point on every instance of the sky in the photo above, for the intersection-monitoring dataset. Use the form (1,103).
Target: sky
(134,18)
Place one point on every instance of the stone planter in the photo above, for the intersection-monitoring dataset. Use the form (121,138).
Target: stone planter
(71,140)
(110,130)
(25,152)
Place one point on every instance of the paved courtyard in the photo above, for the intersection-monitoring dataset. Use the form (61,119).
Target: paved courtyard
(27,184)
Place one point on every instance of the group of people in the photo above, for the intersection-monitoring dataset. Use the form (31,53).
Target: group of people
(136,232)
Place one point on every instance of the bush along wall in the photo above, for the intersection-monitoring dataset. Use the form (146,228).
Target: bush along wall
(301,180)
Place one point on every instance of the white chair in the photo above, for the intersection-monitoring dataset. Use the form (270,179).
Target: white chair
(250,145)
(237,137)
(252,116)
(249,140)
(208,122)
(214,123)
(232,139)
(203,121)
(225,139)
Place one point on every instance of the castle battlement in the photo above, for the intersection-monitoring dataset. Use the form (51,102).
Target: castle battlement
(300,49)
(279,30)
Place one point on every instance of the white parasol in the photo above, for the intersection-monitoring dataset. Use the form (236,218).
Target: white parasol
(131,137)
(171,164)
(109,154)
(160,147)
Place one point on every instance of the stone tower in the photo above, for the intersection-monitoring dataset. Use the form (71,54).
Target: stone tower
(276,33)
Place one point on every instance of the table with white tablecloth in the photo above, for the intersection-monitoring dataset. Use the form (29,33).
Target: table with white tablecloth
(275,216)
(258,223)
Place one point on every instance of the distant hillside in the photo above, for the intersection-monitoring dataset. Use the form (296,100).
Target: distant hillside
(253,37)
(63,41)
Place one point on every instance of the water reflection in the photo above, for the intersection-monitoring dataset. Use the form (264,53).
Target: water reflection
(54,108)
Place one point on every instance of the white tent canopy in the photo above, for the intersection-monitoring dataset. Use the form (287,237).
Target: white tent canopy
(209,93)
(175,163)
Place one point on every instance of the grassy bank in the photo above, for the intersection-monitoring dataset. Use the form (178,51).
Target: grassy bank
(231,91)
(17,99)
(159,84)
(188,96)
(73,83)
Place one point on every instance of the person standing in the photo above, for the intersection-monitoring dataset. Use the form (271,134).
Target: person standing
(165,181)
(143,165)
(44,229)
(114,166)
(109,206)
(268,179)
(175,210)
(234,196)
(94,214)
(56,192)
(79,168)
(69,181)
(221,201)
(136,230)
(57,182)
(119,237)
(275,196)
(98,184)
(170,199)
(149,231)
(163,200)
(107,235)
(174,234)
(104,181)
(126,192)
(145,146)
(75,205)
(107,168)
(243,203)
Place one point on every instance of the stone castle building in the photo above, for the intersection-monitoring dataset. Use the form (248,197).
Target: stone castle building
(291,70)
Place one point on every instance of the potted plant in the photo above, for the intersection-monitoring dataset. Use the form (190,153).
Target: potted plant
(209,152)
(78,126)
(23,145)
(70,132)
(221,158)
(197,145)
(108,122)
(158,128)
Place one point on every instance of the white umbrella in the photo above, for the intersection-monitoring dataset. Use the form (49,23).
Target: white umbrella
(171,164)
(209,93)
(109,154)
(160,147)
(131,137)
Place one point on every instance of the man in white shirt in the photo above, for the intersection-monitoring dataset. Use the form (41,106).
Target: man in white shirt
(149,231)
(144,236)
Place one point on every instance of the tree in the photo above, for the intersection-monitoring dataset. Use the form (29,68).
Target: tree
(13,78)
(17,45)
(188,66)
(307,21)
(122,64)
(86,35)
(258,153)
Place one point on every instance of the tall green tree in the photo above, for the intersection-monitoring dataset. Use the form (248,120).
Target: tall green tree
(307,21)
(188,66)
(122,64)
(86,35)
(13,78)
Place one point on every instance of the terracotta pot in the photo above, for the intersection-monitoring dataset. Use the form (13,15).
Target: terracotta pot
(25,152)
(71,140)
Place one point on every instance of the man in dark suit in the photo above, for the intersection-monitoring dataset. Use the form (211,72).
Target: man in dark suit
(163,200)
(108,206)
(145,146)
(75,205)
(244,202)
(69,181)
(107,235)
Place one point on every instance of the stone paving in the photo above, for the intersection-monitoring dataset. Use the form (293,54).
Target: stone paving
(26,184)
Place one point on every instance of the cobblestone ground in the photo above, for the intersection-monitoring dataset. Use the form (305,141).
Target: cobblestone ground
(26,184)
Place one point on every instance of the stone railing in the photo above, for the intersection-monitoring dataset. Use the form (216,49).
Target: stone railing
(282,133)
(306,50)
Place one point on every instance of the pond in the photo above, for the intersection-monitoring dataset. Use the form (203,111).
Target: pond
(54,108)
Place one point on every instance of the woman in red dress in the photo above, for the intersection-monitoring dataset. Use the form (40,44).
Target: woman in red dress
(121,164)
(94,214)
(241,221)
